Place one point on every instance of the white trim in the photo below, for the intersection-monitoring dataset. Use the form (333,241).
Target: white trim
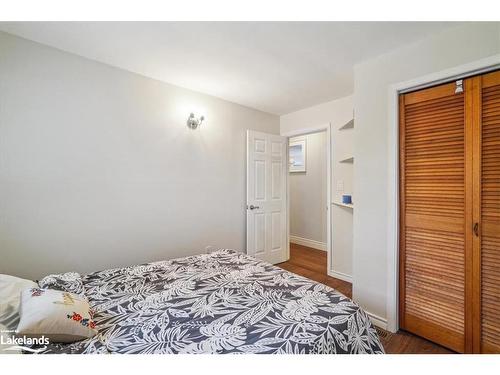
(340,275)
(329,245)
(287,203)
(488,63)
(305,131)
(377,320)
(307,242)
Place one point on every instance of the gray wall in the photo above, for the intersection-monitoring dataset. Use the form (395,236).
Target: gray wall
(308,192)
(372,147)
(98,169)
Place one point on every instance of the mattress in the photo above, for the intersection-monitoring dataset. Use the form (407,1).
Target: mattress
(224,302)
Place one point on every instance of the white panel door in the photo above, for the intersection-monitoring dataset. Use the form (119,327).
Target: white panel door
(267,226)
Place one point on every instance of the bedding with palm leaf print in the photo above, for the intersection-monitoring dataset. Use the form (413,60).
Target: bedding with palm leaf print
(223,302)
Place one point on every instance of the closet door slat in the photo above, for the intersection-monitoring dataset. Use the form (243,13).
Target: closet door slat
(490,213)
(433,215)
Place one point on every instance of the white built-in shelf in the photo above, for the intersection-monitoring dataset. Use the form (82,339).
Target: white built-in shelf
(351,206)
(348,125)
(350,159)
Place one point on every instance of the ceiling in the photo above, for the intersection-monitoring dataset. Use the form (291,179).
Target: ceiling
(276,67)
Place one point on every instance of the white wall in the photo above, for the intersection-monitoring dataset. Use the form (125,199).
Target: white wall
(308,193)
(98,168)
(372,149)
(337,112)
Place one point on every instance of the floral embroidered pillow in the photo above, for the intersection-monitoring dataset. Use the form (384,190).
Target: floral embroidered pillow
(59,316)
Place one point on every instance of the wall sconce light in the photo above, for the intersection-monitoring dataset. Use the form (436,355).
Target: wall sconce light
(194,122)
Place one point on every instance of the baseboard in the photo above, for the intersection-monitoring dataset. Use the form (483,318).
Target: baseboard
(307,242)
(340,275)
(377,320)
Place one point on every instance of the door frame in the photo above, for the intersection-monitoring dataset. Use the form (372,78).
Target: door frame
(462,71)
(305,131)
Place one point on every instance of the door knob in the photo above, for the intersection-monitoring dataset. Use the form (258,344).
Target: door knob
(252,207)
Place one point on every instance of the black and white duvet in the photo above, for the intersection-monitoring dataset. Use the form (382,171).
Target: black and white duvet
(224,302)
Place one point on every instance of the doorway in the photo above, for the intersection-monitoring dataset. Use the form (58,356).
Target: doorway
(309,192)
(308,199)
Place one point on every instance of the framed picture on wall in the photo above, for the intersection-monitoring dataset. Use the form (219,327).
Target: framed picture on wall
(297,154)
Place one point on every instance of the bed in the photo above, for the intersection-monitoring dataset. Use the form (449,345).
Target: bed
(223,302)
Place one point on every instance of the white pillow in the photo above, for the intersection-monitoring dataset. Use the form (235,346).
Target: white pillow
(59,316)
(10,296)
(5,346)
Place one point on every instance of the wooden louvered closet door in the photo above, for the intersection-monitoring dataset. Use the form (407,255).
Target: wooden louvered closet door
(433,205)
(487,187)
(450,214)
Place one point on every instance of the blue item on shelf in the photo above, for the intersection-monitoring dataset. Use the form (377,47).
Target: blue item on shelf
(346,199)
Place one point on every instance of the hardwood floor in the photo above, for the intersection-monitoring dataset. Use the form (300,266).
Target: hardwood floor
(311,263)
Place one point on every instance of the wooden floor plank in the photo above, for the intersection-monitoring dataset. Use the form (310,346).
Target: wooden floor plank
(311,263)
